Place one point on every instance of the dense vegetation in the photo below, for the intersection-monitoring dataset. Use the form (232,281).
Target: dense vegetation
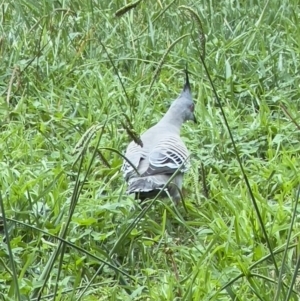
(69,230)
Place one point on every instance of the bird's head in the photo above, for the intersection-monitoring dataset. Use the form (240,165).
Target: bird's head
(184,104)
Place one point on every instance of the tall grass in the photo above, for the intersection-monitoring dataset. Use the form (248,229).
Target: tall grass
(69,231)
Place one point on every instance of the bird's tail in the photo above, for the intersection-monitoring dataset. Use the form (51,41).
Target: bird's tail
(146,184)
(150,186)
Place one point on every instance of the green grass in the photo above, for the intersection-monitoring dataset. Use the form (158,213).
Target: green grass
(69,230)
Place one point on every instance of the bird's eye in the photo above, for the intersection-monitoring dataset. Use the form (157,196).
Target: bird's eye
(192,107)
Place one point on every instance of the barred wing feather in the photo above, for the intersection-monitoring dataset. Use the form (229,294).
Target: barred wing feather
(134,154)
(167,156)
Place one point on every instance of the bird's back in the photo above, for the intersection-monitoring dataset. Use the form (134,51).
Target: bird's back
(163,152)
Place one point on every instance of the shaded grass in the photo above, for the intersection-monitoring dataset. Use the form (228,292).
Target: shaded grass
(57,81)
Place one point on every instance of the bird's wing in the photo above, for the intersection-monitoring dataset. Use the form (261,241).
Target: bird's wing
(167,156)
(134,154)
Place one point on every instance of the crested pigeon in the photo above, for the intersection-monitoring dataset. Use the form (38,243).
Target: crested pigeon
(162,153)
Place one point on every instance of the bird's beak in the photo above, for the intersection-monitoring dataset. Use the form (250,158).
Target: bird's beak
(195,120)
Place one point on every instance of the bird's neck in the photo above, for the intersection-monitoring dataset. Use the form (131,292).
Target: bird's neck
(172,119)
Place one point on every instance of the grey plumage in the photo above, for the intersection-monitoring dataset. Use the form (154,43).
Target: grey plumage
(163,152)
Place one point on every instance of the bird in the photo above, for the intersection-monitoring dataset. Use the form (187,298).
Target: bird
(148,166)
